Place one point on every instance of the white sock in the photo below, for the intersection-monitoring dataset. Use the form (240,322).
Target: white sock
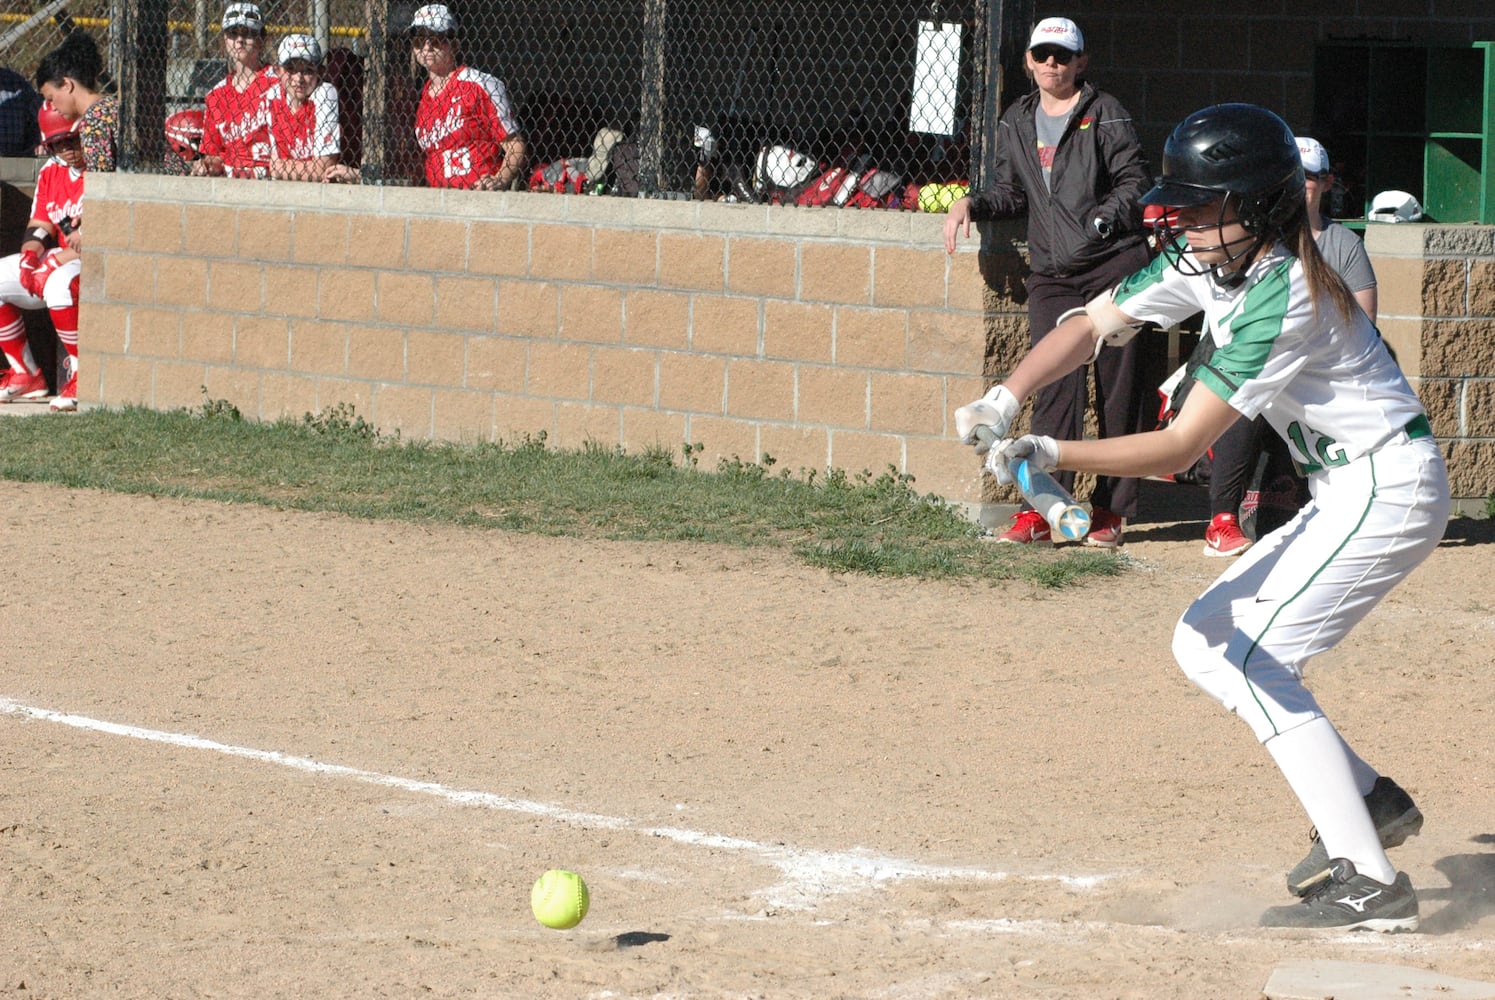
(1365,775)
(1317,764)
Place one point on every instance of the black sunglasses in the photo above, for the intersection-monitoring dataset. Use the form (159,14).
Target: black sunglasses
(1322,175)
(241,33)
(1060,55)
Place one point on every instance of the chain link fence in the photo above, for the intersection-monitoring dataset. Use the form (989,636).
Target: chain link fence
(795,101)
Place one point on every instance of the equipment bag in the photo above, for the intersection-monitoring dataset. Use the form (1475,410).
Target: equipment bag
(877,189)
(561,176)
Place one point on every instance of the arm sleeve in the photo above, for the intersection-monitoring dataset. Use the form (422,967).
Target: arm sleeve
(1121,152)
(1157,294)
(212,137)
(327,134)
(499,109)
(100,130)
(1004,197)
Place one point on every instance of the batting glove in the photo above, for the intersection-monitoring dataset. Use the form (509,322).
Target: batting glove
(1036,448)
(31,262)
(996,410)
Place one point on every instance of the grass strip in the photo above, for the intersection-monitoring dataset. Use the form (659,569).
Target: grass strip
(337,462)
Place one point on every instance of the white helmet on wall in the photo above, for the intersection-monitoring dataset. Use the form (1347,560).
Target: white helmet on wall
(1394,206)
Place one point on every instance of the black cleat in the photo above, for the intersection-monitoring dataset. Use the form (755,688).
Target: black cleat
(1349,901)
(1396,818)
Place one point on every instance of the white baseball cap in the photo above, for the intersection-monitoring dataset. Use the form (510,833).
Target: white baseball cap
(1315,157)
(244,15)
(1394,206)
(436,17)
(1060,31)
(303,47)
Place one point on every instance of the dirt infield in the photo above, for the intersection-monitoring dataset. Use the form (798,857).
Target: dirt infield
(255,753)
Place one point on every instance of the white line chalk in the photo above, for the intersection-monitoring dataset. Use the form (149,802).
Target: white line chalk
(808,875)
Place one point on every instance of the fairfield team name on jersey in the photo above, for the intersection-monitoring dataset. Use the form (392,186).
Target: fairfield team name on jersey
(58,197)
(246,126)
(59,213)
(432,136)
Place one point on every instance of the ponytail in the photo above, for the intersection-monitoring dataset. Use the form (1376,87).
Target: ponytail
(1323,280)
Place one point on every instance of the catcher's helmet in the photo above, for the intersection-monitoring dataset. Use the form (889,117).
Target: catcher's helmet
(53,125)
(184,133)
(1236,150)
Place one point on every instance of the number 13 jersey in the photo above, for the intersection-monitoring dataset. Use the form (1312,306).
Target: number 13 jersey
(460,128)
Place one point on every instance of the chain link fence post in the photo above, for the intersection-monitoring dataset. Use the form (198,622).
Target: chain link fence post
(142,83)
(1007,24)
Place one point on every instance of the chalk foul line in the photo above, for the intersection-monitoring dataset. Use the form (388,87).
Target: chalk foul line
(809,876)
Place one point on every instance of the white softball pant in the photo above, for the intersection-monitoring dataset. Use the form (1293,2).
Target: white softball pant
(1300,589)
(57,293)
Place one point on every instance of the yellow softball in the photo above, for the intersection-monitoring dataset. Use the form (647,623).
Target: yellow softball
(559,899)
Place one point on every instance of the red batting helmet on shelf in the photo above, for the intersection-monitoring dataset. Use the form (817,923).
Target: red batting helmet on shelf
(53,125)
(184,133)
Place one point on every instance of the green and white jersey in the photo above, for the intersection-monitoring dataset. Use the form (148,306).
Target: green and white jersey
(1325,383)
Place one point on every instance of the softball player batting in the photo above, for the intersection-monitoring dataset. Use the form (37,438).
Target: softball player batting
(1296,348)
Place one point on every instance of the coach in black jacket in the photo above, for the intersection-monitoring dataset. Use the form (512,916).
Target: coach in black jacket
(1068,157)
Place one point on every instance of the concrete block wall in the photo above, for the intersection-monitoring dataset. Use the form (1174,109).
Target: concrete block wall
(1437,311)
(824,338)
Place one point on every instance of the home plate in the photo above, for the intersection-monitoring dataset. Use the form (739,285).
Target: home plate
(1321,980)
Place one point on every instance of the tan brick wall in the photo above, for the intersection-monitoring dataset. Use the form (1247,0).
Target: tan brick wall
(818,337)
(1437,311)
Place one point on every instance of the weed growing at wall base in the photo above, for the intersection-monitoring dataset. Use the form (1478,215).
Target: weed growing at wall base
(336,461)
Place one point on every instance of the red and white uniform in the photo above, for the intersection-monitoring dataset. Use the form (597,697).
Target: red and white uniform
(308,132)
(460,128)
(59,197)
(236,125)
(59,200)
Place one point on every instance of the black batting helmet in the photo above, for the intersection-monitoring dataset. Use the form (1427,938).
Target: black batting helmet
(1234,149)
(1246,157)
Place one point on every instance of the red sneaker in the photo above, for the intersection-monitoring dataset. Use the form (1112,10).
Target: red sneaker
(66,401)
(22,385)
(1224,538)
(1105,529)
(1028,526)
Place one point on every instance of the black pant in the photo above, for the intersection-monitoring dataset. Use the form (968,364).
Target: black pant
(1232,464)
(1059,409)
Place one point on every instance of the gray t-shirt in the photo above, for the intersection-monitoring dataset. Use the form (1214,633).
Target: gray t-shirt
(1050,131)
(1344,252)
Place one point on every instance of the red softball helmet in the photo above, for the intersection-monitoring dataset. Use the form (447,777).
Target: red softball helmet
(53,125)
(184,132)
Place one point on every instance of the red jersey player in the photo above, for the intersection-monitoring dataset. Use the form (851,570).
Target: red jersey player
(305,135)
(39,278)
(236,126)
(465,124)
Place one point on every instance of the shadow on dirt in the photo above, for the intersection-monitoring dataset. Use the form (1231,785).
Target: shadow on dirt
(1470,894)
(1470,531)
(634,939)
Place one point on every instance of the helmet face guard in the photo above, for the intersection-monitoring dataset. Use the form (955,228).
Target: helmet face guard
(1245,157)
(1173,239)
(184,133)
